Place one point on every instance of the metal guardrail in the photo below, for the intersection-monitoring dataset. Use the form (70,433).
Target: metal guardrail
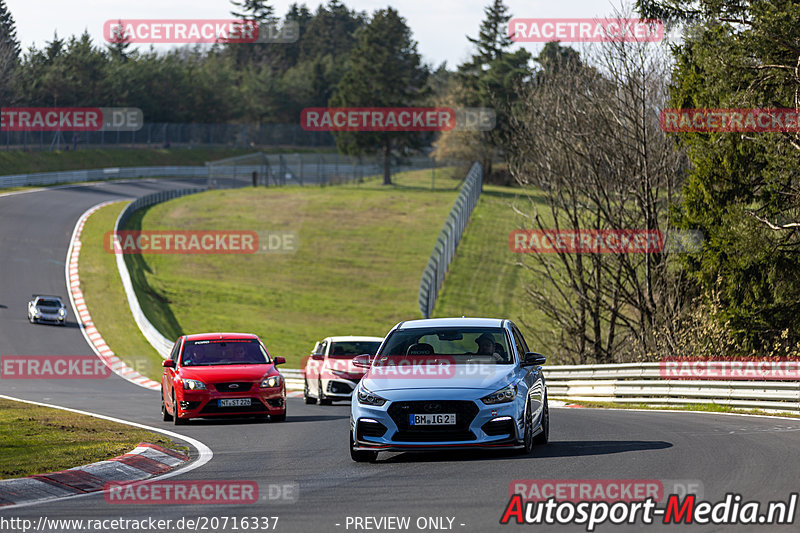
(642,383)
(446,244)
(158,341)
(101,174)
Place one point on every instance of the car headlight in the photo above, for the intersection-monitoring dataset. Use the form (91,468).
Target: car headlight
(367,397)
(62,312)
(272,381)
(340,373)
(36,312)
(193,384)
(504,395)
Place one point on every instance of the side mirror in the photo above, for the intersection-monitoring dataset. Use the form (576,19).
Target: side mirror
(279,361)
(533,359)
(362,361)
(168,363)
(317,356)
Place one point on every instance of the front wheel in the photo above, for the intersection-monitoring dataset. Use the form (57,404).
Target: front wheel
(322,399)
(178,421)
(544,436)
(527,439)
(165,416)
(307,395)
(361,456)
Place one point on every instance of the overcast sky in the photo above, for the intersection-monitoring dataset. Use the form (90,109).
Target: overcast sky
(439,26)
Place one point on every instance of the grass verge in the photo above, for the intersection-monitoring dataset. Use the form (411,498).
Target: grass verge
(485,279)
(37,440)
(704,407)
(362,250)
(105,297)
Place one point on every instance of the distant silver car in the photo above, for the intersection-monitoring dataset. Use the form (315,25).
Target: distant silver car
(44,308)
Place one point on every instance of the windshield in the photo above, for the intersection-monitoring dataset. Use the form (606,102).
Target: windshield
(48,303)
(224,352)
(348,350)
(465,345)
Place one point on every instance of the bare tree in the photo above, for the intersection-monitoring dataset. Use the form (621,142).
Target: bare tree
(589,138)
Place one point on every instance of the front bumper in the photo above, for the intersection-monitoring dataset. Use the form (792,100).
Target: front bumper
(201,404)
(478,425)
(339,388)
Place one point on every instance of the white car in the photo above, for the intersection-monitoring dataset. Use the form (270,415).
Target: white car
(329,373)
(43,308)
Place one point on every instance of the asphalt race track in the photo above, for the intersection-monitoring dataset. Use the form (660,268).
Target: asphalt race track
(753,456)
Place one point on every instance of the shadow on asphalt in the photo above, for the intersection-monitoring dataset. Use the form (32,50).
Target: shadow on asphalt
(253,420)
(552,449)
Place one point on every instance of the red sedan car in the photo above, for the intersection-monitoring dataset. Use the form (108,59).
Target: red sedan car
(222,374)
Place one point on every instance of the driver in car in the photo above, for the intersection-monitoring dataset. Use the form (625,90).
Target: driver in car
(487,346)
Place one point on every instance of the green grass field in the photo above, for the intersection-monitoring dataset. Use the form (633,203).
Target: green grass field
(485,279)
(106,299)
(37,440)
(362,250)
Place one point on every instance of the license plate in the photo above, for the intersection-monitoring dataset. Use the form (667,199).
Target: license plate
(234,402)
(440,419)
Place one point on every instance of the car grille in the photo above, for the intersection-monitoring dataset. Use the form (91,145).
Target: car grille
(465,413)
(499,427)
(367,428)
(212,408)
(237,386)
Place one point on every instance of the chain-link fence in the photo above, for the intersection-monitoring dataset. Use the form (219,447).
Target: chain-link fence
(163,135)
(446,244)
(262,169)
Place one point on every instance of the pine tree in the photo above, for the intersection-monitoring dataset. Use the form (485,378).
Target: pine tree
(9,54)
(386,71)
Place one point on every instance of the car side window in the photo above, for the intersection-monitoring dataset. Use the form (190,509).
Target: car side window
(519,340)
(175,351)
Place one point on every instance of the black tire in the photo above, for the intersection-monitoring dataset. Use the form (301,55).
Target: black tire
(306,395)
(278,418)
(178,421)
(544,436)
(165,416)
(322,399)
(361,456)
(527,437)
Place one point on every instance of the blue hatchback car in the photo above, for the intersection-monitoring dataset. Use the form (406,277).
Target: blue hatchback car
(449,383)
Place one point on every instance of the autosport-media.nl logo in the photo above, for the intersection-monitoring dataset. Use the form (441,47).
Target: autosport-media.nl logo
(200,242)
(228,492)
(577,30)
(398,119)
(726,120)
(591,503)
(199,31)
(52,367)
(596,241)
(71,119)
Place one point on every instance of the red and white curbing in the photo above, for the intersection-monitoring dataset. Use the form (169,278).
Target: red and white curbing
(93,337)
(144,461)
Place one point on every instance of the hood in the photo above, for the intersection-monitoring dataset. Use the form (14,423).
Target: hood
(225,373)
(479,377)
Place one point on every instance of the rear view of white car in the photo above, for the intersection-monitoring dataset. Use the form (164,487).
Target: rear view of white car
(43,308)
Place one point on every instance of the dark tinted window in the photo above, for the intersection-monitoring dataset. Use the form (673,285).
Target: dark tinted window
(223,352)
(349,350)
